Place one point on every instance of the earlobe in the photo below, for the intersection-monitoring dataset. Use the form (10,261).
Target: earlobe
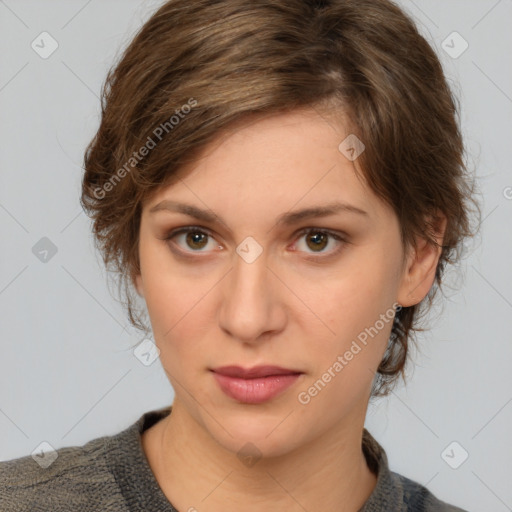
(420,270)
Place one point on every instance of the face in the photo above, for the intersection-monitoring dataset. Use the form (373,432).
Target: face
(260,284)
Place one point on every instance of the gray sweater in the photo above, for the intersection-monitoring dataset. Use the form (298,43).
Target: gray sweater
(112,474)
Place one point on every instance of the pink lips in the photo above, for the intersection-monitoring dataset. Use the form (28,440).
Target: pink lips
(254,385)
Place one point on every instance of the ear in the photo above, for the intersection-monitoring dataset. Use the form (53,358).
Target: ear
(421,264)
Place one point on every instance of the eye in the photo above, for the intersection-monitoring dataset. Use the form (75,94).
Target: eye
(193,238)
(318,239)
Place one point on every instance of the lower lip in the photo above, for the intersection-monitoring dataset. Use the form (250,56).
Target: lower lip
(255,391)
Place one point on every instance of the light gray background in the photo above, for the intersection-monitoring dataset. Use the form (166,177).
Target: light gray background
(67,374)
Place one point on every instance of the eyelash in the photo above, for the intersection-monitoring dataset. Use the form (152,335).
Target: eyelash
(304,231)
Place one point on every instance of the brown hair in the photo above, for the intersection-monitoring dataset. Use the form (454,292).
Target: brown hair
(196,68)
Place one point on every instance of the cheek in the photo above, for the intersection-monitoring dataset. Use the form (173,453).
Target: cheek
(355,298)
(177,320)
(172,291)
(175,307)
(357,306)
(343,362)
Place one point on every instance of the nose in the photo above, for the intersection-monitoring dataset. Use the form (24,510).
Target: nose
(252,308)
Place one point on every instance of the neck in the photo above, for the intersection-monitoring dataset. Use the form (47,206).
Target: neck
(197,473)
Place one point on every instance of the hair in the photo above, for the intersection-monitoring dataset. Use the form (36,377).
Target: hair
(195,69)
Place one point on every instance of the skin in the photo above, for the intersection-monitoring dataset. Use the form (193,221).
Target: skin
(210,308)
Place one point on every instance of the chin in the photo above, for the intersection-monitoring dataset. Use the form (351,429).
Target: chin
(265,434)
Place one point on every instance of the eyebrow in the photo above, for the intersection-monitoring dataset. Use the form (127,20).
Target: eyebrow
(287,218)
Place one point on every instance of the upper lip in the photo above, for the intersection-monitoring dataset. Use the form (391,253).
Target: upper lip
(254,372)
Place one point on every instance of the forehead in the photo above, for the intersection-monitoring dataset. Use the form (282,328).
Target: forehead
(269,165)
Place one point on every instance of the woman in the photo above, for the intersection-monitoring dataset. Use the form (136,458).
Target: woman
(283,184)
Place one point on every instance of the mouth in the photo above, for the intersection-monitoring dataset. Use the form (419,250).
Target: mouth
(254,385)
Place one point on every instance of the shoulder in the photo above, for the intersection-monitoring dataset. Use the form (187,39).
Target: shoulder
(70,478)
(417,498)
(395,491)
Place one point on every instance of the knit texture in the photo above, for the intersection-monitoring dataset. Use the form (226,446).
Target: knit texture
(112,474)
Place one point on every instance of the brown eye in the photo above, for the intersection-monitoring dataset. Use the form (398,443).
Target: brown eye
(191,239)
(196,239)
(317,240)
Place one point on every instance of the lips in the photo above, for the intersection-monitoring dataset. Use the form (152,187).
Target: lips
(253,373)
(254,385)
